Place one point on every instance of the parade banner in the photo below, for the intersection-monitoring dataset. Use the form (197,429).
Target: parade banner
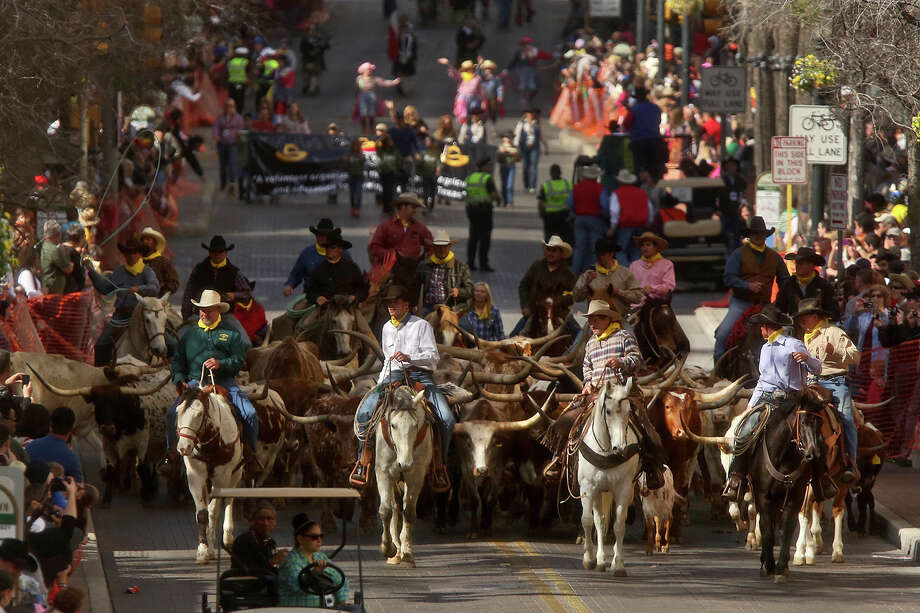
(296,163)
(408,178)
(457,163)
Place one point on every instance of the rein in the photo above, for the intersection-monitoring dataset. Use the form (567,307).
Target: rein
(788,480)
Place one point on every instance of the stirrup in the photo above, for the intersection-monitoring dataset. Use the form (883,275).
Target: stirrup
(358,476)
(552,472)
(440,480)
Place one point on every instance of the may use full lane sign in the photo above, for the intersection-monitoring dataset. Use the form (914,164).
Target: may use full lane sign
(827,140)
(723,89)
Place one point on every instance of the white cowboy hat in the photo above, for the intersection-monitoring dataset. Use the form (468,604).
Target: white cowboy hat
(601,307)
(210,298)
(624,176)
(555,241)
(441,237)
(159,238)
(591,172)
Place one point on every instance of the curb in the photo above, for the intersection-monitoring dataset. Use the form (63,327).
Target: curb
(897,531)
(97,586)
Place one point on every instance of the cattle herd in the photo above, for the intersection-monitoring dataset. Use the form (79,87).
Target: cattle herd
(503,394)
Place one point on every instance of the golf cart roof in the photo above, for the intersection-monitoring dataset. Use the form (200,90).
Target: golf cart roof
(286,492)
(691,182)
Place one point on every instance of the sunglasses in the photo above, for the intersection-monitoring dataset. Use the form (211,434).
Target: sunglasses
(314,537)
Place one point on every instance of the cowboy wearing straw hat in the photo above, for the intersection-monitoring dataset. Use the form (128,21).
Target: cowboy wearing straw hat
(443,278)
(548,276)
(806,283)
(749,272)
(213,346)
(610,349)
(154,245)
(403,234)
(830,344)
(126,282)
(783,362)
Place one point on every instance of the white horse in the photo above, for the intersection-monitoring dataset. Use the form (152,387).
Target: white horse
(145,335)
(403,454)
(607,467)
(210,444)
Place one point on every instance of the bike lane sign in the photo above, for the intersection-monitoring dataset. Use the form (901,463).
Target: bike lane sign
(723,90)
(790,163)
(827,139)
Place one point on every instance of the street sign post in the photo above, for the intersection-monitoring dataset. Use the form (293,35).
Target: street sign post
(768,199)
(723,89)
(789,155)
(837,202)
(605,8)
(827,139)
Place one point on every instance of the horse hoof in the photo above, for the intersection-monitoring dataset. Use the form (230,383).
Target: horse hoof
(393,560)
(580,540)
(665,548)
(810,561)
(620,572)
(837,558)
(388,550)
(408,560)
(798,560)
(589,564)
(780,579)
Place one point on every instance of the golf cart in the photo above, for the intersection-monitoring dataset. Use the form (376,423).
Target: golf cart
(237,591)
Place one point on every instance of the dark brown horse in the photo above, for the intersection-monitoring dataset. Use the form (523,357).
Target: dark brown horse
(548,314)
(659,334)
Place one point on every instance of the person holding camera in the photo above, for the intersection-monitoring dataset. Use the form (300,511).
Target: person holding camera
(55,446)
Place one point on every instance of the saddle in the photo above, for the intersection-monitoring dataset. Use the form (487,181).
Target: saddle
(575,444)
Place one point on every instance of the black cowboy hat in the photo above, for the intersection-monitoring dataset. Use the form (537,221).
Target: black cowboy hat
(17,552)
(395,292)
(807,254)
(809,306)
(885,254)
(757,225)
(218,244)
(325,226)
(606,244)
(335,240)
(771,316)
(132,245)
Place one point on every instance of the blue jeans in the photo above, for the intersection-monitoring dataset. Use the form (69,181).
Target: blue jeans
(355,191)
(506,173)
(437,400)
(228,156)
(628,252)
(247,413)
(841,391)
(587,231)
(504,13)
(736,308)
(530,158)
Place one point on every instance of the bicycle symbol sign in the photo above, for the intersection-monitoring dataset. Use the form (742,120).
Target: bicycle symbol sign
(723,89)
(826,134)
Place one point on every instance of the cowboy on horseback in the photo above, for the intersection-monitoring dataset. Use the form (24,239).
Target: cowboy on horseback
(547,277)
(783,361)
(215,346)
(134,277)
(412,355)
(611,349)
(608,280)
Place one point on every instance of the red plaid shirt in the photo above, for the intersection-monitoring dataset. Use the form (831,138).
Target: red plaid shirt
(621,344)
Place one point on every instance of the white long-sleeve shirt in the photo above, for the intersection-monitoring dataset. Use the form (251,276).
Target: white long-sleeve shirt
(415,338)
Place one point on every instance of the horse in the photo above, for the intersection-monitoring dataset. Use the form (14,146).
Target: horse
(404,448)
(547,315)
(144,336)
(780,471)
(607,465)
(393,270)
(656,329)
(445,321)
(336,314)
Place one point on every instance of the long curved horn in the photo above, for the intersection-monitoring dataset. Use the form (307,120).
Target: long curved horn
(541,340)
(715,367)
(505,379)
(643,379)
(333,383)
(685,377)
(369,339)
(712,400)
(871,405)
(541,410)
(466,334)
(467,397)
(530,422)
(268,338)
(60,391)
(353,373)
(556,371)
(311,419)
(363,326)
(572,353)
(671,378)
(473,355)
(705,440)
(145,391)
(261,395)
(496,397)
(340,361)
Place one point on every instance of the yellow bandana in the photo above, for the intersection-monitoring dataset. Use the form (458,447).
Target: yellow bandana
(205,326)
(405,224)
(335,261)
(396,322)
(320,249)
(152,256)
(772,338)
(136,269)
(814,331)
(483,314)
(652,259)
(806,280)
(220,264)
(245,307)
(607,271)
(447,260)
(613,327)
(757,248)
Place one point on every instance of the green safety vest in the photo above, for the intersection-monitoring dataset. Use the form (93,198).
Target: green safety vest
(237,68)
(476,191)
(269,67)
(557,195)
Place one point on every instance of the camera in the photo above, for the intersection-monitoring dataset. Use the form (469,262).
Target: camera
(58,485)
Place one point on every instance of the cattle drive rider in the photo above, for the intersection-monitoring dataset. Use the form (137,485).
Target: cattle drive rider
(612,348)
(807,283)
(154,245)
(783,361)
(403,234)
(749,272)
(134,277)
(831,345)
(336,276)
(411,352)
(608,281)
(547,277)
(214,346)
(443,278)
(217,273)
(655,276)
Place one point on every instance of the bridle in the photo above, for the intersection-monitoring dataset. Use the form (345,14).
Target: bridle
(193,437)
(794,425)
(385,427)
(152,311)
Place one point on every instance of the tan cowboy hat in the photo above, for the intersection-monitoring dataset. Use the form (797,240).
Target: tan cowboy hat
(466,66)
(809,306)
(408,198)
(558,243)
(601,307)
(210,298)
(441,237)
(624,176)
(159,238)
(651,236)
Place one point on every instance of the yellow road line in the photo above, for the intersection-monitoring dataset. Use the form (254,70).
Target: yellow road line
(551,587)
(563,586)
(542,588)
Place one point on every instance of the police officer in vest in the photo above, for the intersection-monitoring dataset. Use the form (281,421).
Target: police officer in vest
(552,199)
(238,76)
(270,66)
(481,197)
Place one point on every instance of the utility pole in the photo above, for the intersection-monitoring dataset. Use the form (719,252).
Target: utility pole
(641,25)
(685,43)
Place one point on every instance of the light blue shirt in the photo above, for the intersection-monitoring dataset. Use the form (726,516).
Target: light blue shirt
(778,369)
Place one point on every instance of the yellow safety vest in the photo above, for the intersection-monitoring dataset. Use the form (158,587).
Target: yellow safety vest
(236,70)
(476,191)
(268,69)
(557,195)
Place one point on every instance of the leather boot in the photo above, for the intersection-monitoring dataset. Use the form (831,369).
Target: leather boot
(825,489)
(440,480)
(732,487)
(553,471)
(251,464)
(850,475)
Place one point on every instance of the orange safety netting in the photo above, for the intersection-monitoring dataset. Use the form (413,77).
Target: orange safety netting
(67,324)
(19,329)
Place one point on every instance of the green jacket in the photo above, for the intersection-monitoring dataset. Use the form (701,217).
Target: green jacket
(222,343)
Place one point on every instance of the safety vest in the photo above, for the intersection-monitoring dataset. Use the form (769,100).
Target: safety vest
(237,68)
(269,67)
(476,191)
(557,194)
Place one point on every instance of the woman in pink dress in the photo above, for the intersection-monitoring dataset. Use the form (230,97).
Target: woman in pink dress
(368,105)
(469,88)
(655,275)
